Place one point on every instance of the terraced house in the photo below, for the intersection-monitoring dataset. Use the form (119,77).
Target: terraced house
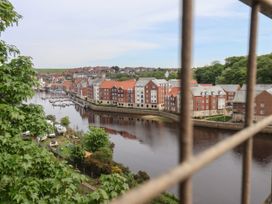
(155,91)
(172,100)
(119,93)
(208,100)
(262,103)
(140,92)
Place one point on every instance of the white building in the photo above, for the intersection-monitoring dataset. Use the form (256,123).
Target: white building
(140,91)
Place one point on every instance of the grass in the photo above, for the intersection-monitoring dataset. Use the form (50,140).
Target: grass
(219,118)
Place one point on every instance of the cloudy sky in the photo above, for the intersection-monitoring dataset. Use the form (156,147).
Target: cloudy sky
(72,33)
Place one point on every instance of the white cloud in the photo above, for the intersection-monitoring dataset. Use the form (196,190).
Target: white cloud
(70,32)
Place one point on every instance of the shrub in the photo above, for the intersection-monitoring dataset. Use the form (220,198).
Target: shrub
(76,153)
(95,139)
(103,154)
(65,121)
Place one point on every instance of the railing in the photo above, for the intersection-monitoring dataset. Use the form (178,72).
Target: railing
(190,164)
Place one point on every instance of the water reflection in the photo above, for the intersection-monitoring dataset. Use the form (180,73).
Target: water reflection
(146,144)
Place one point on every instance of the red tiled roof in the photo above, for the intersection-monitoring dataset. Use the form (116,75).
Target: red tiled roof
(193,81)
(205,84)
(108,84)
(67,84)
(174,91)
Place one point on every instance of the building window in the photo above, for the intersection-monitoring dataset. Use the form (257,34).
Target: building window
(262,105)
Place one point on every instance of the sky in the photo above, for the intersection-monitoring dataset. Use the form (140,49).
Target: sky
(76,33)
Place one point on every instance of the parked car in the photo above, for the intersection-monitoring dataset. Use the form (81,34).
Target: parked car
(26,135)
(41,138)
(51,135)
(53,143)
(50,122)
(61,129)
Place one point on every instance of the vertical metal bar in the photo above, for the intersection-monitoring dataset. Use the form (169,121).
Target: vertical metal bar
(185,136)
(250,96)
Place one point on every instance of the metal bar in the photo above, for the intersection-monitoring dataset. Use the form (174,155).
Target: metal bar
(265,6)
(250,96)
(186,136)
(153,188)
(267,3)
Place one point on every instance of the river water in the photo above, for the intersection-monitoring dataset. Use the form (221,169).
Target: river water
(151,145)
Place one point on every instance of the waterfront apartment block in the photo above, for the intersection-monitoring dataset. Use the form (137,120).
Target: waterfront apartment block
(263,108)
(208,101)
(230,90)
(140,92)
(155,90)
(119,93)
(152,93)
(172,100)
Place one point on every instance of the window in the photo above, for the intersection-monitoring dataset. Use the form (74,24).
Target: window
(262,105)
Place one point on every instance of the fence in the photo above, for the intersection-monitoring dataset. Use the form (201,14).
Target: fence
(190,164)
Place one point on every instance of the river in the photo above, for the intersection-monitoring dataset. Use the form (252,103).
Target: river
(151,144)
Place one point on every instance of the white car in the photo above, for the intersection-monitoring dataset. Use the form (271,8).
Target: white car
(52,135)
(61,130)
(49,122)
(54,143)
(26,133)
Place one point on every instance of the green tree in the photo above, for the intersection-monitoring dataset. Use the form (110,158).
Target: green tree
(95,139)
(114,184)
(77,153)
(209,74)
(103,154)
(28,173)
(65,121)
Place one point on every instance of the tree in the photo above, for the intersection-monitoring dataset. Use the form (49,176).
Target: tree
(111,186)
(77,153)
(65,121)
(95,139)
(28,173)
(103,154)
(115,68)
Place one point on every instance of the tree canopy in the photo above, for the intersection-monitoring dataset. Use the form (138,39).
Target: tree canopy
(28,173)
(233,71)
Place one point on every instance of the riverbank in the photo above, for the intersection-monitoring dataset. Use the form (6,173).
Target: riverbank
(172,116)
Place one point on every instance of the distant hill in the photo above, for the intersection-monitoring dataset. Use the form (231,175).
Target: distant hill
(49,70)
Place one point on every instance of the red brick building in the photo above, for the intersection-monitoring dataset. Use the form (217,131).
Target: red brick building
(120,93)
(262,102)
(105,91)
(155,91)
(231,90)
(172,100)
(208,100)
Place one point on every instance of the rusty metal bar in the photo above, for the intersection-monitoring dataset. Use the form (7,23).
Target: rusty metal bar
(153,188)
(265,6)
(186,131)
(250,98)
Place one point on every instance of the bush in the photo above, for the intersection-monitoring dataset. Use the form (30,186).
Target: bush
(76,154)
(103,154)
(65,121)
(114,184)
(219,118)
(95,167)
(141,177)
(95,139)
